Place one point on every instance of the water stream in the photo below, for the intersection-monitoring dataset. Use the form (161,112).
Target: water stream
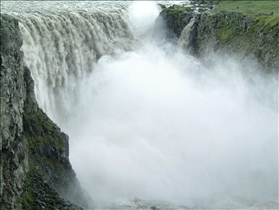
(150,125)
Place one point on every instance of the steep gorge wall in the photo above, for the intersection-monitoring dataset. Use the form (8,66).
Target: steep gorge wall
(35,168)
(226,32)
(14,147)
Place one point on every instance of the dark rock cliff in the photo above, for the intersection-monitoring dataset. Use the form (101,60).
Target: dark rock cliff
(226,32)
(14,147)
(35,168)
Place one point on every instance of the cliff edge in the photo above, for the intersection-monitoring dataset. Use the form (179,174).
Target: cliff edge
(246,29)
(35,170)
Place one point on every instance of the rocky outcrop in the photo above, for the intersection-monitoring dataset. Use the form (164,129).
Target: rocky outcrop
(14,147)
(226,32)
(35,168)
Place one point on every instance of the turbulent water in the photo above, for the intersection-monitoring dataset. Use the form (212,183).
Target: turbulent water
(150,125)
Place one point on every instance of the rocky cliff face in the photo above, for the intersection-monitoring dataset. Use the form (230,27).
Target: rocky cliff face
(14,147)
(35,169)
(226,32)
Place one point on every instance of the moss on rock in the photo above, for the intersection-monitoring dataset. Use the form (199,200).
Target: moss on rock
(246,32)
(177,9)
(51,173)
(35,172)
(38,194)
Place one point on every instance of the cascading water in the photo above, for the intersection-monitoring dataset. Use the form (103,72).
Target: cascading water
(149,124)
(185,34)
(62,47)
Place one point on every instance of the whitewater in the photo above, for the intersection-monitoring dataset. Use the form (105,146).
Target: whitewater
(148,124)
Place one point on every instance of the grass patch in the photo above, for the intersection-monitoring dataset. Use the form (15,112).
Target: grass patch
(266,12)
(175,9)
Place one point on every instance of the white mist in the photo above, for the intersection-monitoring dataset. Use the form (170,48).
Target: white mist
(158,125)
(153,122)
(146,127)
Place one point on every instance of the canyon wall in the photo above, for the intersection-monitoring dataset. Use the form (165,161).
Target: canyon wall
(35,168)
(226,32)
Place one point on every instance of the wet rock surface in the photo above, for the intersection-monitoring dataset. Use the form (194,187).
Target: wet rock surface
(35,168)
(226,32)
(14,147)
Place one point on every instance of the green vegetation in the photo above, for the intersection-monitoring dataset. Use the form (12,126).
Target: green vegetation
(176,9)
(249,27)
(38,194)
(246,28)
(266,12)
(46,144)
(27,198)
(48,167)
(40,131)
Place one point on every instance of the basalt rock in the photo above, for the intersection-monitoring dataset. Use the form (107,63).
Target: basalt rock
(226,32)
(14,147)
(35,168)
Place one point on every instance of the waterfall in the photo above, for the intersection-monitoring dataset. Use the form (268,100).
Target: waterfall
(149,123)
(184,39)
(63,48)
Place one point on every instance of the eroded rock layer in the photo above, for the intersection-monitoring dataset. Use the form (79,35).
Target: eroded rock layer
(35,168)
(227,32)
